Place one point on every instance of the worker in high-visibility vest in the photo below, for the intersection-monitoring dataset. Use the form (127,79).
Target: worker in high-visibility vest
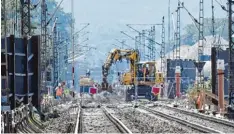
(59,91)
(198,101)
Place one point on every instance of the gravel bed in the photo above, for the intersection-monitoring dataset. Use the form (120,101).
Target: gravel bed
(216,126)
(95,121)
(145,122)
(120,115)
(67,118)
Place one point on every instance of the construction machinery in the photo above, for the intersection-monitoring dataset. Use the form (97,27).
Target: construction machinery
(118,55)
(85,82)
(141,77)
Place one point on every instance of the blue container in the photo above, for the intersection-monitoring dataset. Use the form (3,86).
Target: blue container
(205,58)
(84,89)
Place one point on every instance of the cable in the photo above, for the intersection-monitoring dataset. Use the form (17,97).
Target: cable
(54,13)
(195,21)
(193,18)
(222,6)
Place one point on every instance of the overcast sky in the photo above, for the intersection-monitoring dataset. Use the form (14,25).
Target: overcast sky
(108,17)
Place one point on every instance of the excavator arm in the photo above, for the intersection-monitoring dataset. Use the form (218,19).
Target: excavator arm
(118,55)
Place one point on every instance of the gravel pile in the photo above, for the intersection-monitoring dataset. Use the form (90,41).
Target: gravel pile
(216,126)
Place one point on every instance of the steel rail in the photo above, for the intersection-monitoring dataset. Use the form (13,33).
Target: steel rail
(184,122)
(216,120)
(33,126)
(78,121)
(122,128)
(27,127)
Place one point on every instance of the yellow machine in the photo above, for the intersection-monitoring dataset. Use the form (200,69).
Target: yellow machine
(118,55)
(142,75)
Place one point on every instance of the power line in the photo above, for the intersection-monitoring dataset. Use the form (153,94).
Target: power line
(48,22)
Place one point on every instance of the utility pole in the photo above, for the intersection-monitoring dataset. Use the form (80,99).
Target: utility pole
(143,43)
(213,21)
(137,40)
(73,45)
(163,53)
(25,17)
(169,25)
(200,42)
(231,58)
(43,44)
(4,77)
(55,53)
(177,56)
(151,43)
(174,36)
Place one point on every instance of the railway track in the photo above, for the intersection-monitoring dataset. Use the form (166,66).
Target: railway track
(23,120)
(183,121)
(214,123)
(98,120)
(66,122)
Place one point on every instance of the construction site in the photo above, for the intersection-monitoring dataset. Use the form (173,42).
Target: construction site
(136,66)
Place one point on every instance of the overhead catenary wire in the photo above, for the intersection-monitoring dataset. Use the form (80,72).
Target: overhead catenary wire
(222,6)
(194,20)
(135,40)
(48,22)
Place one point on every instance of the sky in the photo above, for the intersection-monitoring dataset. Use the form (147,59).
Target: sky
(108,17)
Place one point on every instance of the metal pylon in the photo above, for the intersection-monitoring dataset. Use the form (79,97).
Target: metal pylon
(43,44)
(4,62)
(163,53)
(177,55)
(25,17)
(200,39)
(55,54)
